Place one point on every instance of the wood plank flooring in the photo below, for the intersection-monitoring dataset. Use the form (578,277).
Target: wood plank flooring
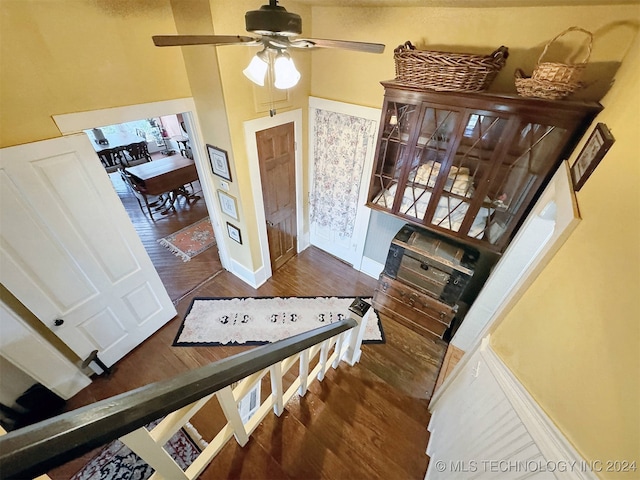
(178,277)
(367,421)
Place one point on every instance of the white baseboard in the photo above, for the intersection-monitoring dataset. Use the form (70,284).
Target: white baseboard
(371,267)
(253,279)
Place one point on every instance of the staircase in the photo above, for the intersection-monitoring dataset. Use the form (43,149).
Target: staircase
(33,450)
(366,421)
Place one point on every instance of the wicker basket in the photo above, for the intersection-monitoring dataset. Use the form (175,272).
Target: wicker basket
(553,80)
(444,71)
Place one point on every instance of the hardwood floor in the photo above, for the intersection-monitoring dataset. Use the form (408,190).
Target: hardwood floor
(367,421)
(178,277)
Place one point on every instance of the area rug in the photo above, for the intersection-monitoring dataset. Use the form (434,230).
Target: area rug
(191,240)
(117,462)
(261,320)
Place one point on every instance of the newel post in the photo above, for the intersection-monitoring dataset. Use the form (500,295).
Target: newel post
(359,310)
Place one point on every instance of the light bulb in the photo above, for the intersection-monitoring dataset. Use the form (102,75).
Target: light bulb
(257,69)
(285,71)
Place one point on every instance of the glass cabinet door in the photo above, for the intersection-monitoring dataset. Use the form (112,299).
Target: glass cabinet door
(433,143)
(462,205)
(528,160)
(393,150)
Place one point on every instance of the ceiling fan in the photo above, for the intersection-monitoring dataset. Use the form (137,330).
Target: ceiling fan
(277,30)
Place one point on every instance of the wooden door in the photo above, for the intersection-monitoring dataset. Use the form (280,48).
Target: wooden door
(276,156)
(70,254)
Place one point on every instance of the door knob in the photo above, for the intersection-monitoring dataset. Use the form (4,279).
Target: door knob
(271,224)
(58,321)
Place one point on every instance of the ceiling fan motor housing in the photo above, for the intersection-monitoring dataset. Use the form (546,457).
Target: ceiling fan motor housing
(272,19)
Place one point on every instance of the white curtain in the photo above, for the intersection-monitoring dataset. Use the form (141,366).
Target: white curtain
(340,148)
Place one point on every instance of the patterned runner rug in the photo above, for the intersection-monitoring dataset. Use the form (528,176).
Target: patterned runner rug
(256,321)
(191,240)
(117,462)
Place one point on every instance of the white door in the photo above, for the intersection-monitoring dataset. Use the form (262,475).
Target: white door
(70,254)
(324,235)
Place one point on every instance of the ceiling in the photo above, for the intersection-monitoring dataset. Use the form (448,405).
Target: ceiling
(460,3)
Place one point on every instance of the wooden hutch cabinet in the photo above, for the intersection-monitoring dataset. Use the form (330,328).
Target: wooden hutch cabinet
(470,165)
(464,169)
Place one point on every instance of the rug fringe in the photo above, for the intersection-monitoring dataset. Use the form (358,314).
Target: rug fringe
(173,249)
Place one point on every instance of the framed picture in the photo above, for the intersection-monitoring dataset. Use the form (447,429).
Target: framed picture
(228,204)
(596,147)
(219,162)
(234,233)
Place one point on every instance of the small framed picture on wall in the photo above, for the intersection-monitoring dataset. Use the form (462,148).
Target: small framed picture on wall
(234,233)
(228,204)
(219,162)
(593,151)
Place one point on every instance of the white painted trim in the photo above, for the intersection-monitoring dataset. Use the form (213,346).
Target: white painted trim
(362,219)
(485,405)
(77,122)
(371,267)
(250,129)
(547,227)
(254,279)
(550,440)
(72,123)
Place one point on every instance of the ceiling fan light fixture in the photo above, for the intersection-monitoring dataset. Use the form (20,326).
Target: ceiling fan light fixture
(257,69)
(286,74)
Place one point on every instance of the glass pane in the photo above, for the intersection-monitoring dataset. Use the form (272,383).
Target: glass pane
(471,162)
(520,171)
(392,153)
(436,132)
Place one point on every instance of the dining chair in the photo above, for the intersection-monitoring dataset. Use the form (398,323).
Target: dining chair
(135,153)
(110,159)
(139,192)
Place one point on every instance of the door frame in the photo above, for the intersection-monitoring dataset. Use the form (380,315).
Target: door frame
(72,123)
(361,227)
(250,128)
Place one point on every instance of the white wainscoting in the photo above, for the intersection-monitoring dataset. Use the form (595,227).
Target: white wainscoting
(485,424)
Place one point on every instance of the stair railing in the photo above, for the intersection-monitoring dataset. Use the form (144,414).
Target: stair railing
(36,449)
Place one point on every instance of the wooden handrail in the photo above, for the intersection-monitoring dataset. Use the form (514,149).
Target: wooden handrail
(35,449)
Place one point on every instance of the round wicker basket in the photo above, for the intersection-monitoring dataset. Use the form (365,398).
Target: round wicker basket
(554,80)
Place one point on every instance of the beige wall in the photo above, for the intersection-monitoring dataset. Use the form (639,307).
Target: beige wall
(573,339)
(228,19)
(68,56)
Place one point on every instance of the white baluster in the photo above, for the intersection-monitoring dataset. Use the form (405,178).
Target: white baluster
(141,442)
(230,408)
(304,372)
(276,388)
(324,354)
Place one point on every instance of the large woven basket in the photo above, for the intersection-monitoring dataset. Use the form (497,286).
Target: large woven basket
(444,71)
(554,80)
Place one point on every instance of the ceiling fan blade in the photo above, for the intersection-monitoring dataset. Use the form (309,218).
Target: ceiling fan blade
(344,44)
(182,40)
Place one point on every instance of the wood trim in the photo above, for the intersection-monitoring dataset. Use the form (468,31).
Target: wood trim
(451,359)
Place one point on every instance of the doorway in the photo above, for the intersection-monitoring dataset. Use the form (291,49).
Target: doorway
(251,127)
(276,156)
(162,137)
(178,277)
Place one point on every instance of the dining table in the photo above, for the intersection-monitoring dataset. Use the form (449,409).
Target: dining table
(167,175)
